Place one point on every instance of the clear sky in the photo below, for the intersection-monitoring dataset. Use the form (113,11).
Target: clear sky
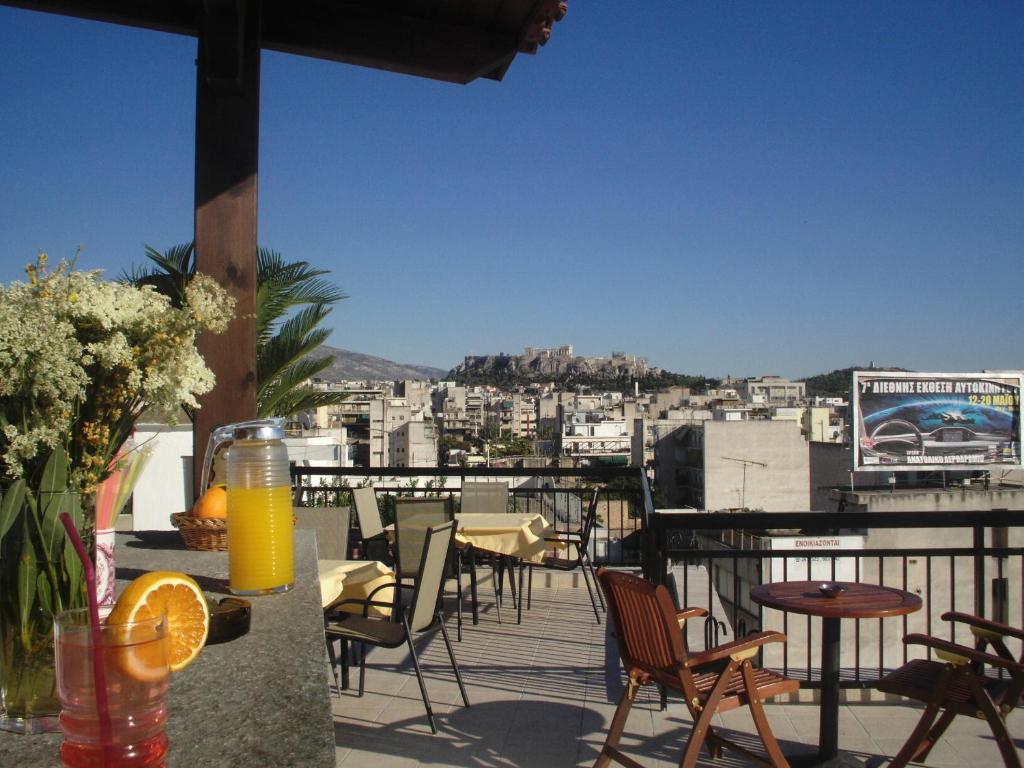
(724,188)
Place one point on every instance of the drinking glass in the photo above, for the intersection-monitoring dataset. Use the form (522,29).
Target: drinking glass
(135,666)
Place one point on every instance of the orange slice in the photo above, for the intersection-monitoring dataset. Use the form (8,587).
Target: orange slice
(175,595)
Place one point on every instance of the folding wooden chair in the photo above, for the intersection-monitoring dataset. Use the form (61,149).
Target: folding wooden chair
(956,683)
(647,627)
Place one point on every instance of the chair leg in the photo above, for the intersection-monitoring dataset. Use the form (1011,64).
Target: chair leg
(458,595)
(451,655)
(585,558)
(529,591)
(934,735)
(362,667)
(474,604)
(344,664)
(996,723)
(497,588)
(702,720)
(590,591)
(419,677)
(519,606)
(915,742)
(618,724)
(764,730)
(333,660)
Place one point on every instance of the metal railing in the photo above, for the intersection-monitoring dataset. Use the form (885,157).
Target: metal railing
(977,566)
(971,568)
(560,494)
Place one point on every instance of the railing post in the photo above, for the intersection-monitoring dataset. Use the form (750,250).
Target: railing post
(979,570)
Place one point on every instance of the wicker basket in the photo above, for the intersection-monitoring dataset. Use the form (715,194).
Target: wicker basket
(201,533)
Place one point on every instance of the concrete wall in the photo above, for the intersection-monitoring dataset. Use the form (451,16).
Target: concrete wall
(165,485)
(733,477)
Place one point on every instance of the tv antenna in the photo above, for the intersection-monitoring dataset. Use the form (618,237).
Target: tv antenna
(746,463)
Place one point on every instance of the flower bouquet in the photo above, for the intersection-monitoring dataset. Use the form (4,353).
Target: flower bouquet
(80,359)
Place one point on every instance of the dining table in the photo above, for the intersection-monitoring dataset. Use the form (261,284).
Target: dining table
(833,602)
(509,536)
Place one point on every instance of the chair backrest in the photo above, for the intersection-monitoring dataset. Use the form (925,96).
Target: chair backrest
(331,525)
(430,575)
(646,627)
(365,501)
(412,519)
(485,498)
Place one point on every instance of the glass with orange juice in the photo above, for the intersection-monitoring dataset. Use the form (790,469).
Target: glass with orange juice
(260,530)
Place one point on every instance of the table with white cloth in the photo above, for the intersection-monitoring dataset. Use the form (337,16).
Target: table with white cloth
(356,579)
(508,535)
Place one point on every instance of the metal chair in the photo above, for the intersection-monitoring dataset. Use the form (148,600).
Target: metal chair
(373,540)
(956,683)
(484,498)
(579,540)
(647,627)
(332,527)
(488,499)
(424,615)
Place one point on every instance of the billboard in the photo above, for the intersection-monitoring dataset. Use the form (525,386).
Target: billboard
(910,421)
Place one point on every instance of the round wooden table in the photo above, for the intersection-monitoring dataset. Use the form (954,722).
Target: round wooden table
(859,601)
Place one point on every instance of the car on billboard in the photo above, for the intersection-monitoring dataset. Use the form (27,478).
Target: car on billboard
(981,433)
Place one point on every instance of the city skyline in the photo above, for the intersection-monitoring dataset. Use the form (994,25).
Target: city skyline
(724,189)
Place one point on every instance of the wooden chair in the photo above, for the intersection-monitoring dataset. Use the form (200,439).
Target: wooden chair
(424,615)
(648,630)
(331,525)
(956,683)
(579,542)
(373,540)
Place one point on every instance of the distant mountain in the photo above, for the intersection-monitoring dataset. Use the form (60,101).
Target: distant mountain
(837,383)
(350,366)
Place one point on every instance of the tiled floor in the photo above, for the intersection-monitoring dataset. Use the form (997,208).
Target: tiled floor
(542,694)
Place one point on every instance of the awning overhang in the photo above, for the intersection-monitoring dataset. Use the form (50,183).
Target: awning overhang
(443,40)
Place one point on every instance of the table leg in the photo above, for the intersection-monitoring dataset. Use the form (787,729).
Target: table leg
(828,732)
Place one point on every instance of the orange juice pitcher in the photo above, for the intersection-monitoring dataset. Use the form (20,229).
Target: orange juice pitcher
(260,528)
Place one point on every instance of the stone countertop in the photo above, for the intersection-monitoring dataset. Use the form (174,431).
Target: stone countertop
(259,700)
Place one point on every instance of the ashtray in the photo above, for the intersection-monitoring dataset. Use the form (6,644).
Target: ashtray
(830,589)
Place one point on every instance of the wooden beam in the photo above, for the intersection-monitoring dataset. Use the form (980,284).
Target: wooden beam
(227,150)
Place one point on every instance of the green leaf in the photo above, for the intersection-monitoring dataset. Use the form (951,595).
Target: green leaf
(27,574)
(12,503)
(55,473)
(44,591)
(72,565)
(53,533)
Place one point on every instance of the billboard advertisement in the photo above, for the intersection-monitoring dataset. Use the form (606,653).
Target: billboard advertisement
(906,421)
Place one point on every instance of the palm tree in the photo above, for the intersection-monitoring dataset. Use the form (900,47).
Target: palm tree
(292,300)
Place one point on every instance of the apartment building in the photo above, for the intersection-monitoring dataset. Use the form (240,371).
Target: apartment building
(413,444)
(590,438)
(735,464)
(771,390)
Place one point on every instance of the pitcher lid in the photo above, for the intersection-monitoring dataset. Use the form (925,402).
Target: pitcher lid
(265,429)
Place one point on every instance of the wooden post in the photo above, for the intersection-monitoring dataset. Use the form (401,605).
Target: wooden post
(227,149)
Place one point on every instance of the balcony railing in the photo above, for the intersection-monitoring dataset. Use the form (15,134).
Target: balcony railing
(558,494)
(973,563)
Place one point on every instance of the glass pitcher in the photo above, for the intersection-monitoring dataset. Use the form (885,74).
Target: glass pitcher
(260,528)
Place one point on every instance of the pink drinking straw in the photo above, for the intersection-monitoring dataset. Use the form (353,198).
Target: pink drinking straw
(99,677)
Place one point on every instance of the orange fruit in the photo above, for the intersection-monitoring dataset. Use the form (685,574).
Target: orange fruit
(212,504)
(176,596)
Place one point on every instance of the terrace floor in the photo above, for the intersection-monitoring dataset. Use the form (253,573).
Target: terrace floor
(543,693)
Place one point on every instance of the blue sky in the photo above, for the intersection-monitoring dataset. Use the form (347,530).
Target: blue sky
(725,188)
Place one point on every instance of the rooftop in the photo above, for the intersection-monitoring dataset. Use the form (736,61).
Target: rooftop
(542,695)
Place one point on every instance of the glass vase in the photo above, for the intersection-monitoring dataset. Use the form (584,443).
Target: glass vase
(28,696)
